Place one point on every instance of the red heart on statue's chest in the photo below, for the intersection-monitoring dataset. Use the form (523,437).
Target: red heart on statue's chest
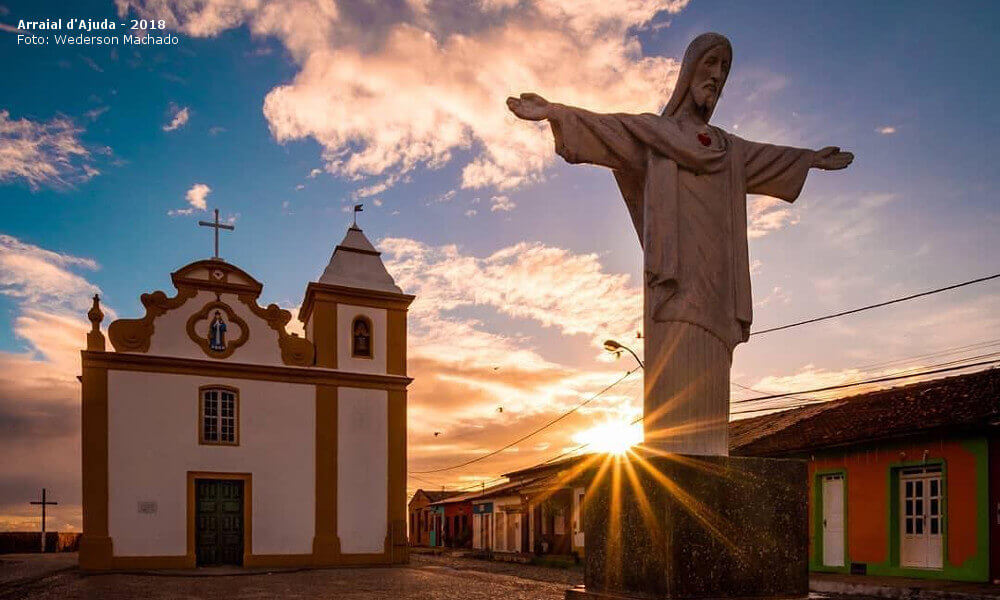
(704,139)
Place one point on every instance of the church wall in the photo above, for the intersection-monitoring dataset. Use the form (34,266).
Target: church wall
(362,469)
(153,443)
(171,338)
(346,313)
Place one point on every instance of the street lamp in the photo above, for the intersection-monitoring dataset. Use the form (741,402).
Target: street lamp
(615,347)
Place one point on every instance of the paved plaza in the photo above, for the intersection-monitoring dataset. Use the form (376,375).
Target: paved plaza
(427,578)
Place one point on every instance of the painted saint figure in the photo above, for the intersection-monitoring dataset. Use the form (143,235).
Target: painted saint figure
(217,333)
(685,183)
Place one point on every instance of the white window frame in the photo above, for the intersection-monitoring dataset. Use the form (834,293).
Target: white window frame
(205,406)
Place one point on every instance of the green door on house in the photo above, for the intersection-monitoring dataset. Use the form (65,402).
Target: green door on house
(219,521)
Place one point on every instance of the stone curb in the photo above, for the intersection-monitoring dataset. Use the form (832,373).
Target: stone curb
(894,592)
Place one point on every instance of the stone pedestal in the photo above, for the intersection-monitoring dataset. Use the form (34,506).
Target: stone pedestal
(685,526)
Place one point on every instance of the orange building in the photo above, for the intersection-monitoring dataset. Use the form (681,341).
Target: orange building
(903,481)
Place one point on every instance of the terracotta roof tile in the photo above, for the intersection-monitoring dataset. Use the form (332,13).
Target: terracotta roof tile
(962,402)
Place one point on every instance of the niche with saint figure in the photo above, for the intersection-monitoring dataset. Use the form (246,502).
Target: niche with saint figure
(361,337)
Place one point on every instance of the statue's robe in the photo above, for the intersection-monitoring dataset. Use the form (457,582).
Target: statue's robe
(688,205)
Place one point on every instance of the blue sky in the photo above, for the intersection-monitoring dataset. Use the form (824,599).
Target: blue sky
(907,87)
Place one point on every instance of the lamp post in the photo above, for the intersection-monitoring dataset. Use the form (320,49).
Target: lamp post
(615,347)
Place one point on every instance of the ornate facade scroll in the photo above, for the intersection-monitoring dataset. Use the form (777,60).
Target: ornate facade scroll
(133,335)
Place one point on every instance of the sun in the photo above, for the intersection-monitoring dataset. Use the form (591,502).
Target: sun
(614,437)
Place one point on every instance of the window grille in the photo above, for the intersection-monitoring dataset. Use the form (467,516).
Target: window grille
(219,416)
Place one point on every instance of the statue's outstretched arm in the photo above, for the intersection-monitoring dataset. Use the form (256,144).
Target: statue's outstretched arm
(780,171)
(832,158)
(582,136)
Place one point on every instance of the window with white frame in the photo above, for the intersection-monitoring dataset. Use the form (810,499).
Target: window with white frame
(220,416)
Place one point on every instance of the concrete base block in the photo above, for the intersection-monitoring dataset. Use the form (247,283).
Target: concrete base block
(684,526)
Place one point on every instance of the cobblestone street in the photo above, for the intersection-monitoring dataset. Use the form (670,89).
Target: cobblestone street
(427,578)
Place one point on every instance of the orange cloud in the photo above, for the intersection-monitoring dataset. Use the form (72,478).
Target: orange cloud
(407,86)
(465,373)
(39,394)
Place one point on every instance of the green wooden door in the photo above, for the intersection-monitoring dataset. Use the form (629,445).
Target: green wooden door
(219,521)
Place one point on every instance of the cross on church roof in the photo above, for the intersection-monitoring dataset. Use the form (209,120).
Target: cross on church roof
(217,226)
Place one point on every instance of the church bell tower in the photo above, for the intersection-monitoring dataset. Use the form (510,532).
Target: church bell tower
(355,316)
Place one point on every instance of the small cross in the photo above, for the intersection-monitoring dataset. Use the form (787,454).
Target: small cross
(44,503)
(217,227)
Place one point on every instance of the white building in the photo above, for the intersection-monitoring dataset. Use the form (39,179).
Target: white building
(211,435)
(496,519)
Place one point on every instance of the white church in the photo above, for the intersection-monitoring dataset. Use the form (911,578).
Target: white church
(213,436)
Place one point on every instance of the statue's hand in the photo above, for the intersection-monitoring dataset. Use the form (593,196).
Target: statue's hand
(831,159)
(531,107)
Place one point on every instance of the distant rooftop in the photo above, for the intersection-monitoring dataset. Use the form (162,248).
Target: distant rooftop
(437,495)
(356,263)
(962,403)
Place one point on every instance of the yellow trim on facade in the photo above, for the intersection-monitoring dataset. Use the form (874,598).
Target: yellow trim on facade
(131,339)
(284,374)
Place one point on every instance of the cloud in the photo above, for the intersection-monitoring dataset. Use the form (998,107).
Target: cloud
(502,203)
(46,153)
(777,295)
(471,212)
(398,86)
(178,119)
(766,215)
(848,219)
(95,113)
(313,173)
(196,196)
(551,286)
(39,394)
(375,189)
(216,130)
(197,199)
(885,130)
(464,370)
(42,278)
(91,63)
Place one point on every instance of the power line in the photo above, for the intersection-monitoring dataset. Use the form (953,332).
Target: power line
(931,371)
(943,352)
(536,431)
(879,305)
(764,397)
(857,383)
(899,375)
(903,374)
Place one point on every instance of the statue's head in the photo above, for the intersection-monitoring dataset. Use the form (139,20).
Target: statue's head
(703,74)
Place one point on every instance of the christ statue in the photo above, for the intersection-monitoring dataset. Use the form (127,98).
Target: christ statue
(685,183)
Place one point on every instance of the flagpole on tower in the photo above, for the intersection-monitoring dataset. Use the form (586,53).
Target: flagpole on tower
(357,208)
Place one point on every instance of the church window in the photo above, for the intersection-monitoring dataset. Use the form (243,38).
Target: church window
(361,337)
(219,421)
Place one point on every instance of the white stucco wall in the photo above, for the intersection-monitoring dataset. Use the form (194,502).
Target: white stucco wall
(153,443)
(346,313)
(362,469)
(501,540)
(170,337)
